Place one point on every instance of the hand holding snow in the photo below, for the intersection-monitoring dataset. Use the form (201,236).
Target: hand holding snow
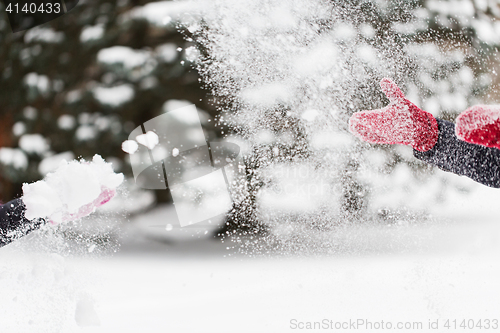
(74,190)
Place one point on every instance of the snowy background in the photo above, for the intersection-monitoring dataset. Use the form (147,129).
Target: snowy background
(323,226)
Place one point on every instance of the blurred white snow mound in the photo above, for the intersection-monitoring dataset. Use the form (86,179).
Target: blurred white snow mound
(65,191)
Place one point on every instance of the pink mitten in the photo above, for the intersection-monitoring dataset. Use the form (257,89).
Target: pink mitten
(106,195)
(401,122)
(480,124)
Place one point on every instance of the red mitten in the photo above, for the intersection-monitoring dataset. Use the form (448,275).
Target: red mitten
(480,124)
(401,122)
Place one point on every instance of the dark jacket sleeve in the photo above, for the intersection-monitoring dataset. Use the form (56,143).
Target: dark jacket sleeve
(477,162)
(13,224)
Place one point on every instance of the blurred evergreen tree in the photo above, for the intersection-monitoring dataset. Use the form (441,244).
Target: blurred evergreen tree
(83,82)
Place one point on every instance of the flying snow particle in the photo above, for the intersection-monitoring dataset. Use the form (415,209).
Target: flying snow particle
(130,146)
(150,139)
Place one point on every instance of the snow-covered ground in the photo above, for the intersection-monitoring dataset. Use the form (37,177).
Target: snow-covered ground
(398,274)
(164,278)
